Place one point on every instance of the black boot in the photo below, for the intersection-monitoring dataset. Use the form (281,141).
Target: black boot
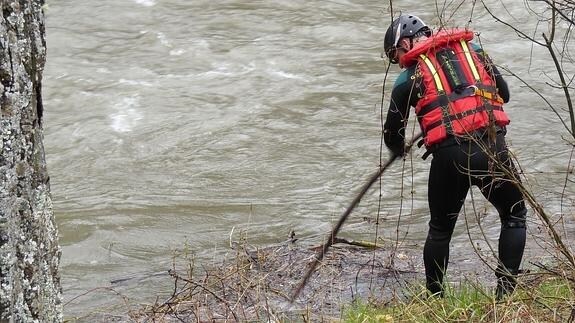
(435,288)
(506,282)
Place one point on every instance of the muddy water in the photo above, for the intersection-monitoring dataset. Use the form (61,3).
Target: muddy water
(179,125)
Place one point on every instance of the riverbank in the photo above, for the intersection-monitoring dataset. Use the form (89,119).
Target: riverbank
(356,282)
(258,284)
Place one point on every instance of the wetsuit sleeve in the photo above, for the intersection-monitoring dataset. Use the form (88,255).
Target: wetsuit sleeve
(398,113)
(502,87)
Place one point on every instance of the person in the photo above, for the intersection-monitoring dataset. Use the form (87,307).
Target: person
(458,96)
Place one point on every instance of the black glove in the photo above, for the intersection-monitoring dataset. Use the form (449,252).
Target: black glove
(398,150)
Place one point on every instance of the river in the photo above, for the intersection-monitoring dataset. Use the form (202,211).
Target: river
(175,126)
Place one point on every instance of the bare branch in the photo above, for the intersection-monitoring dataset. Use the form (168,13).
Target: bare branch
(563,83)
(519,32)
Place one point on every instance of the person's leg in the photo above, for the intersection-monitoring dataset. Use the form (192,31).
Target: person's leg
(447,189)
(505,195)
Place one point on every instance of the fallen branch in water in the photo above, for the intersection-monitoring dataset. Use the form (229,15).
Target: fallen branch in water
(359,243)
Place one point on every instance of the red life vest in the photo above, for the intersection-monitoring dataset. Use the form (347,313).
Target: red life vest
(460,94)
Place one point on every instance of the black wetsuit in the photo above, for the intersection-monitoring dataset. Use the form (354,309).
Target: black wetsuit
(457,164)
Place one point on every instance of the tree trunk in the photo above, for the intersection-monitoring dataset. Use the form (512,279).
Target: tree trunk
(29,251)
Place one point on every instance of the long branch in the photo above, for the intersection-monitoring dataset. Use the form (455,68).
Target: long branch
(333,234)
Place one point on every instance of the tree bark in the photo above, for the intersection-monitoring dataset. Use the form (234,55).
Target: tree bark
(29,251)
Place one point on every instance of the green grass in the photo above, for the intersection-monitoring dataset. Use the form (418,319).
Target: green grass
(543,299)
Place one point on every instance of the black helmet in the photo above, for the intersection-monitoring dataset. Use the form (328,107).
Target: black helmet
(404,26)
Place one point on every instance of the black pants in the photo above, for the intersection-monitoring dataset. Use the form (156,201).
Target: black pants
(454,169)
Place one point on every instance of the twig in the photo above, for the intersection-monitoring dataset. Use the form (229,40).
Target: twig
(549,45)
(202,286)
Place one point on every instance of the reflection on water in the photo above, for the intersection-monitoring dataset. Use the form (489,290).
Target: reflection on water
(173,123)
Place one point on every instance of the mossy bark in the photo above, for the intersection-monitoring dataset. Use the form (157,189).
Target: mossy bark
(29,250)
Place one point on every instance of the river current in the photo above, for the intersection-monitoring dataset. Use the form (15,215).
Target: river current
(178,125)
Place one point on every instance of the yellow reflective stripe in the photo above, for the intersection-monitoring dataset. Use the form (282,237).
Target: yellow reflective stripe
(488,95)
(433,72)
(470,60)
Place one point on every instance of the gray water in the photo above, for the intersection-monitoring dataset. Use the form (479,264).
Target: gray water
(178,125)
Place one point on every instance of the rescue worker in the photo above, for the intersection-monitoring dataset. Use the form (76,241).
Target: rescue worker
(458,96)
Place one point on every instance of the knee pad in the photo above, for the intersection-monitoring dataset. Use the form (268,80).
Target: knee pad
(513,224)
(516,220)
(439,235)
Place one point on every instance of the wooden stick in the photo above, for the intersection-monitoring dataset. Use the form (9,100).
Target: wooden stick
(358,243)
(332,236)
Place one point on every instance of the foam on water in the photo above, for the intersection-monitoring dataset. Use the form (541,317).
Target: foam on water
(286,75)
(146,3)
(228,69)
(127,115)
